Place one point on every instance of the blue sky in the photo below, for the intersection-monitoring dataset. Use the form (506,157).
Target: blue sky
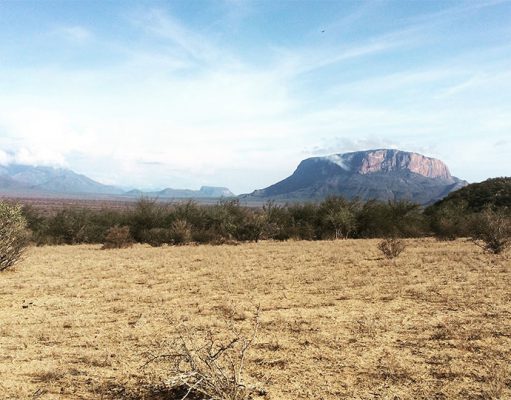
(235,93)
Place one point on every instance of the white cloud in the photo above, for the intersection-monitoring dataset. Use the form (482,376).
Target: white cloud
(5,158)
(187,112)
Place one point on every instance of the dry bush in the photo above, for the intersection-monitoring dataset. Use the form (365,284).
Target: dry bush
(180,232)
(492,231)
(117,238)
(204,367)
(157,237)
(14,235)
(391,247)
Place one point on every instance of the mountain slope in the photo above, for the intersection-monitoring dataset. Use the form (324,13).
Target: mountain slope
(30,179)
(33,181)
(494,192)
(381,174)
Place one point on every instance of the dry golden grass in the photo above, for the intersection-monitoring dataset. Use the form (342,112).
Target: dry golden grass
(337,321)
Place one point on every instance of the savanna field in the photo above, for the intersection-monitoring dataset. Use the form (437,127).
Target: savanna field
(336,319)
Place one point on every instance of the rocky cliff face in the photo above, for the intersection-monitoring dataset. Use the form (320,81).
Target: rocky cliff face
(385,160)
(383,174)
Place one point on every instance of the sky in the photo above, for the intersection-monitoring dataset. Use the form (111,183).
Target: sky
(236,93)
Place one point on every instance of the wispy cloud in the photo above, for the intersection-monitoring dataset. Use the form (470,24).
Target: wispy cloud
(178,105)
(192,43)
(294,62)
(75,33)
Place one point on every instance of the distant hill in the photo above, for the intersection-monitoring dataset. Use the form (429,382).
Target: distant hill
(494,192)
(33,180)
(383,174)
(37,181)
(169,193)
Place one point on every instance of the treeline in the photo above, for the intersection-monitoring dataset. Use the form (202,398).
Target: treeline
(156,223)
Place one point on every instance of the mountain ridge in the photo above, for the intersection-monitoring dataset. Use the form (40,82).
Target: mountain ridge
(382,174)
(33,181)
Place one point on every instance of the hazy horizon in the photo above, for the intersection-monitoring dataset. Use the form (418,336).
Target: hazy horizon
(231,93)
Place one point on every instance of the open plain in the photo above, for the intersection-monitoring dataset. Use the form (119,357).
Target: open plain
(336,319)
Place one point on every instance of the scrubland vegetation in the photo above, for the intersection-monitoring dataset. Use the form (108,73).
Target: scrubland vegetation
(487,221)
(392,314)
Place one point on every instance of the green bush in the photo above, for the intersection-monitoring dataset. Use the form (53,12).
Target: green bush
(227,221)
(14,235)
(250,228)
(338,217)
(449,222)
(157,236)
(146,215)
(276,222)
(304,222)
(392,219)
(209,235)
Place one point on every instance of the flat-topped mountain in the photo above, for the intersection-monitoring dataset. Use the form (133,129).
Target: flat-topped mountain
(202,193)
(382,174)
(367,162)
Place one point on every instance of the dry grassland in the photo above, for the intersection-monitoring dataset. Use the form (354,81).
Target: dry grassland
(337,321)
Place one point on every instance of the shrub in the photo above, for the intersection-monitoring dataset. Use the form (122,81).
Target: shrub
(449,221)
(180,232)
(209,235)
(157,236)
(394,219)
(304,221)
(491,230)
(391,247)
(14,235)
(147,214)
(117,238)
(250,228)
(276,221)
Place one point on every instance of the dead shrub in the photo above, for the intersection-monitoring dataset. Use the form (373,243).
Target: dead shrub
(492,231)
(14,236)
(391,247)
(117,237)
(203,367)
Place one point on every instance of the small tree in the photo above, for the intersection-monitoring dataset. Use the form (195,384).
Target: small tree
(338,216)
(14,235)
(491,230)
(343,221)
